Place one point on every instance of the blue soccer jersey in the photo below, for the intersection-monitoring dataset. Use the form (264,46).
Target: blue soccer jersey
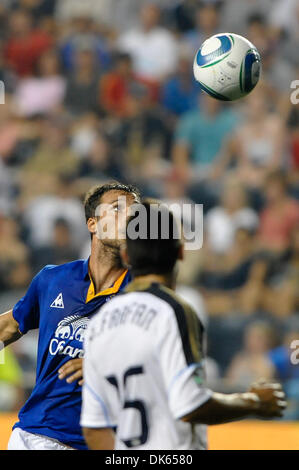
(60,302)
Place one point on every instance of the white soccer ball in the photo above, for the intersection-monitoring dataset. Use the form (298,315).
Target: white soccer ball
(227,66)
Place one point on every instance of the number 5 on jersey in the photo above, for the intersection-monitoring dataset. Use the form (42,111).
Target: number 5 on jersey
(136,404)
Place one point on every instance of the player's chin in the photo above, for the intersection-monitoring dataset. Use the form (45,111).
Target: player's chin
(113,243)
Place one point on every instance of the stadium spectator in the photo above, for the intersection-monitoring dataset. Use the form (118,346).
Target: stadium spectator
(40,214)
(82,83)
(70,9)
(60,251)
(253,361)
(152,47)
(279,217)
(39,8)
(84,33)
(10,129)
(142,137)
(83,133)
(44,92)
(284,16)
(27,141)
(258,144)
(179,93)
(199,137)
(233,212)
(15,271)
(182,14)
(25,43)
(7,74)
(233,282)
(259,33)
(278,71)
(100,162)
(290,42)
(282,298)
(236,19)
(6,189)
(53,156)
(117,85)
(207,20)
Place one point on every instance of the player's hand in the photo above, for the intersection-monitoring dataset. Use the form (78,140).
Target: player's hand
(73,370)
(271,399)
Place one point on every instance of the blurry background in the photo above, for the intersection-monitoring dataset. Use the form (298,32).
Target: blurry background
(103,89)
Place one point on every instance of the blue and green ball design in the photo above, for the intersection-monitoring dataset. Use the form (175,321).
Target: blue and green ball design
(242,57)
(250,71)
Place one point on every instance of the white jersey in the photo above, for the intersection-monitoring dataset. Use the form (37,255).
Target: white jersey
(143,370)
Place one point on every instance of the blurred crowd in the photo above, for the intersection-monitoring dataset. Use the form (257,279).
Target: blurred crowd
(103,89)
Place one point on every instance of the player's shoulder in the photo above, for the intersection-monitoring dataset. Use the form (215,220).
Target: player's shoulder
(165,298)
(178,305)
(54,270)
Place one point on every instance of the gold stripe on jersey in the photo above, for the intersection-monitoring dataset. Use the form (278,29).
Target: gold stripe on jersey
(193,324)
(110,290)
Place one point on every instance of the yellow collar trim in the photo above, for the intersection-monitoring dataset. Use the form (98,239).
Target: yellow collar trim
(111,290)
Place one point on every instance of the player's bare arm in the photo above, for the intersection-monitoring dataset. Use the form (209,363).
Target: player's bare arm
(9,333)
(9,328)
(263,400)
(99,439)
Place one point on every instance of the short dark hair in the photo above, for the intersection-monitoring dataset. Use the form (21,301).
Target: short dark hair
(61,222)
(256,18)
(122,57)
(148,255)
(93,196)
(216,4)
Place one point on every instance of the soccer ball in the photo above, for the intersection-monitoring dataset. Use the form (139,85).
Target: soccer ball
(227,66)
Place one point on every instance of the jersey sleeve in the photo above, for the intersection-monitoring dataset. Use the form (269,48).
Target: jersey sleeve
(95,411)
(26,311)
(182,362)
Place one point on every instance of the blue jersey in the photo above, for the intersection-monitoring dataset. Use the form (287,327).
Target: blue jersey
(60,302)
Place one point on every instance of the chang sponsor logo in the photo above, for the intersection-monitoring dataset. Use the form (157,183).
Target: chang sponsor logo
(69,329)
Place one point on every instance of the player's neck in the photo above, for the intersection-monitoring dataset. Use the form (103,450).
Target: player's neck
(167,280)
(105,267)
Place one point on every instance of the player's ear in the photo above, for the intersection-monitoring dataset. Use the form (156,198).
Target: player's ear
(124,255)
(92,225)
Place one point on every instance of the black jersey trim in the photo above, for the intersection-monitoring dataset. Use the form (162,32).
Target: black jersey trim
(181,318)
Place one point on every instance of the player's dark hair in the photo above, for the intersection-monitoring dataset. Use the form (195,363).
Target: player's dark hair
(93,196)
(148,254)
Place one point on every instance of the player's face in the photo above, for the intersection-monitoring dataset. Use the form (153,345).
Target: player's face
(112,215)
